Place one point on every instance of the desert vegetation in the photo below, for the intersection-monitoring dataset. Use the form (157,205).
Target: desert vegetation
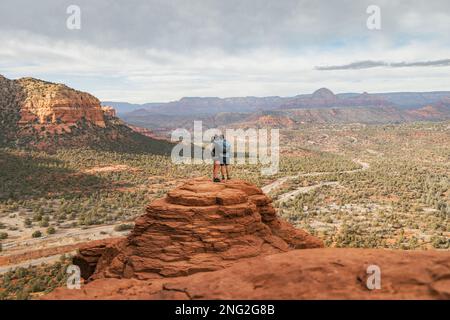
(32,282)
(401,201)
(379,186)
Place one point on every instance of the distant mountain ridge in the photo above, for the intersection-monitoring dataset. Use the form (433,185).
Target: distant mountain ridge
(320,107)
(322,98)
(47,115)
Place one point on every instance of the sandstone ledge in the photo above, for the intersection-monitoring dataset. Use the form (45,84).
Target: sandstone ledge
(299,274)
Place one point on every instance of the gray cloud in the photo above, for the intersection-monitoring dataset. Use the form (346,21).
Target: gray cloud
(435,63)
(354,65)
(373,64)
(232,25)
(161,50)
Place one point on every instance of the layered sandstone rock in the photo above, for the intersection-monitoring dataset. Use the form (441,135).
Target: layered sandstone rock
(209,240)
(109,111)
(47,116)
(51,104)
(145,132)
(298,274)
(201,226)
(89,254)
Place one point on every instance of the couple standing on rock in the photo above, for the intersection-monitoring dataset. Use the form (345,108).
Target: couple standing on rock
(221,151)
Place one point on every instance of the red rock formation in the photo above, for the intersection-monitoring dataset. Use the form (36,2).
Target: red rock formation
(53,105)
(109,111)
(438,112)
(224,241)
(89,254)
(146,132)
(201,226)
(298,274)
(268,121)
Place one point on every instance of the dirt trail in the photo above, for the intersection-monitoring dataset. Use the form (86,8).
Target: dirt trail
(291,194)
(34,262)
(63,237)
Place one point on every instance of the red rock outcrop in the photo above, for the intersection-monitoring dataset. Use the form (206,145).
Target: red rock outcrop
(89,254)
(50,104)
(267,121)
(298,274)
(201,226)
(209,240)
(147,132)
(440,111)
(109,111)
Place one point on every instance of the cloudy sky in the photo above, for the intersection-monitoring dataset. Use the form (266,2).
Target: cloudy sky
(161,50)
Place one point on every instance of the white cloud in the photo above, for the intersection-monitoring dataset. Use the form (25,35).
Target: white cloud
(170,49)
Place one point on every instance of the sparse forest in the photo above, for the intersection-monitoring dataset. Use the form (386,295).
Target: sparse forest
(384,186)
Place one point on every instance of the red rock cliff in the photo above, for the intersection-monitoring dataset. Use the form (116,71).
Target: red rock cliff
(53,105)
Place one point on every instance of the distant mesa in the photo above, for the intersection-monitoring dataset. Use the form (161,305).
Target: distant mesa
(325,98)
(267,121)
(431,113)
(320,107)
(374,108)
(323,93)
(146,132)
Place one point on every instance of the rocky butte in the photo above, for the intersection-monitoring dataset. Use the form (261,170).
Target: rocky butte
(48,108)
(225,241)
(44,115)
(57,105)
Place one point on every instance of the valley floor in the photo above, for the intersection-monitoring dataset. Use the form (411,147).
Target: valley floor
(384,186)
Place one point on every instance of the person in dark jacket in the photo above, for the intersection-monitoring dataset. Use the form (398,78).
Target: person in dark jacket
(221,152)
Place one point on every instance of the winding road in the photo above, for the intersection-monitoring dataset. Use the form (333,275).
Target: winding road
(292,194)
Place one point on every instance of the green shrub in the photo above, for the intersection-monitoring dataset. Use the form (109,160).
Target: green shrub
(44,224)
(37,234)
(123,227)
(28,223)
(51,230)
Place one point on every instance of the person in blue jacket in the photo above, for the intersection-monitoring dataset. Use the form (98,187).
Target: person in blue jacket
(221,152)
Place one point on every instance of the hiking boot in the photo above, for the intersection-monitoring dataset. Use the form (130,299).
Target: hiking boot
(216,180)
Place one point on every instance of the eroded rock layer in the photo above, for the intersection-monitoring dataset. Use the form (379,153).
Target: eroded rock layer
(209,240)
(328,273)
(46,116)
(201,226)
(56,105)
